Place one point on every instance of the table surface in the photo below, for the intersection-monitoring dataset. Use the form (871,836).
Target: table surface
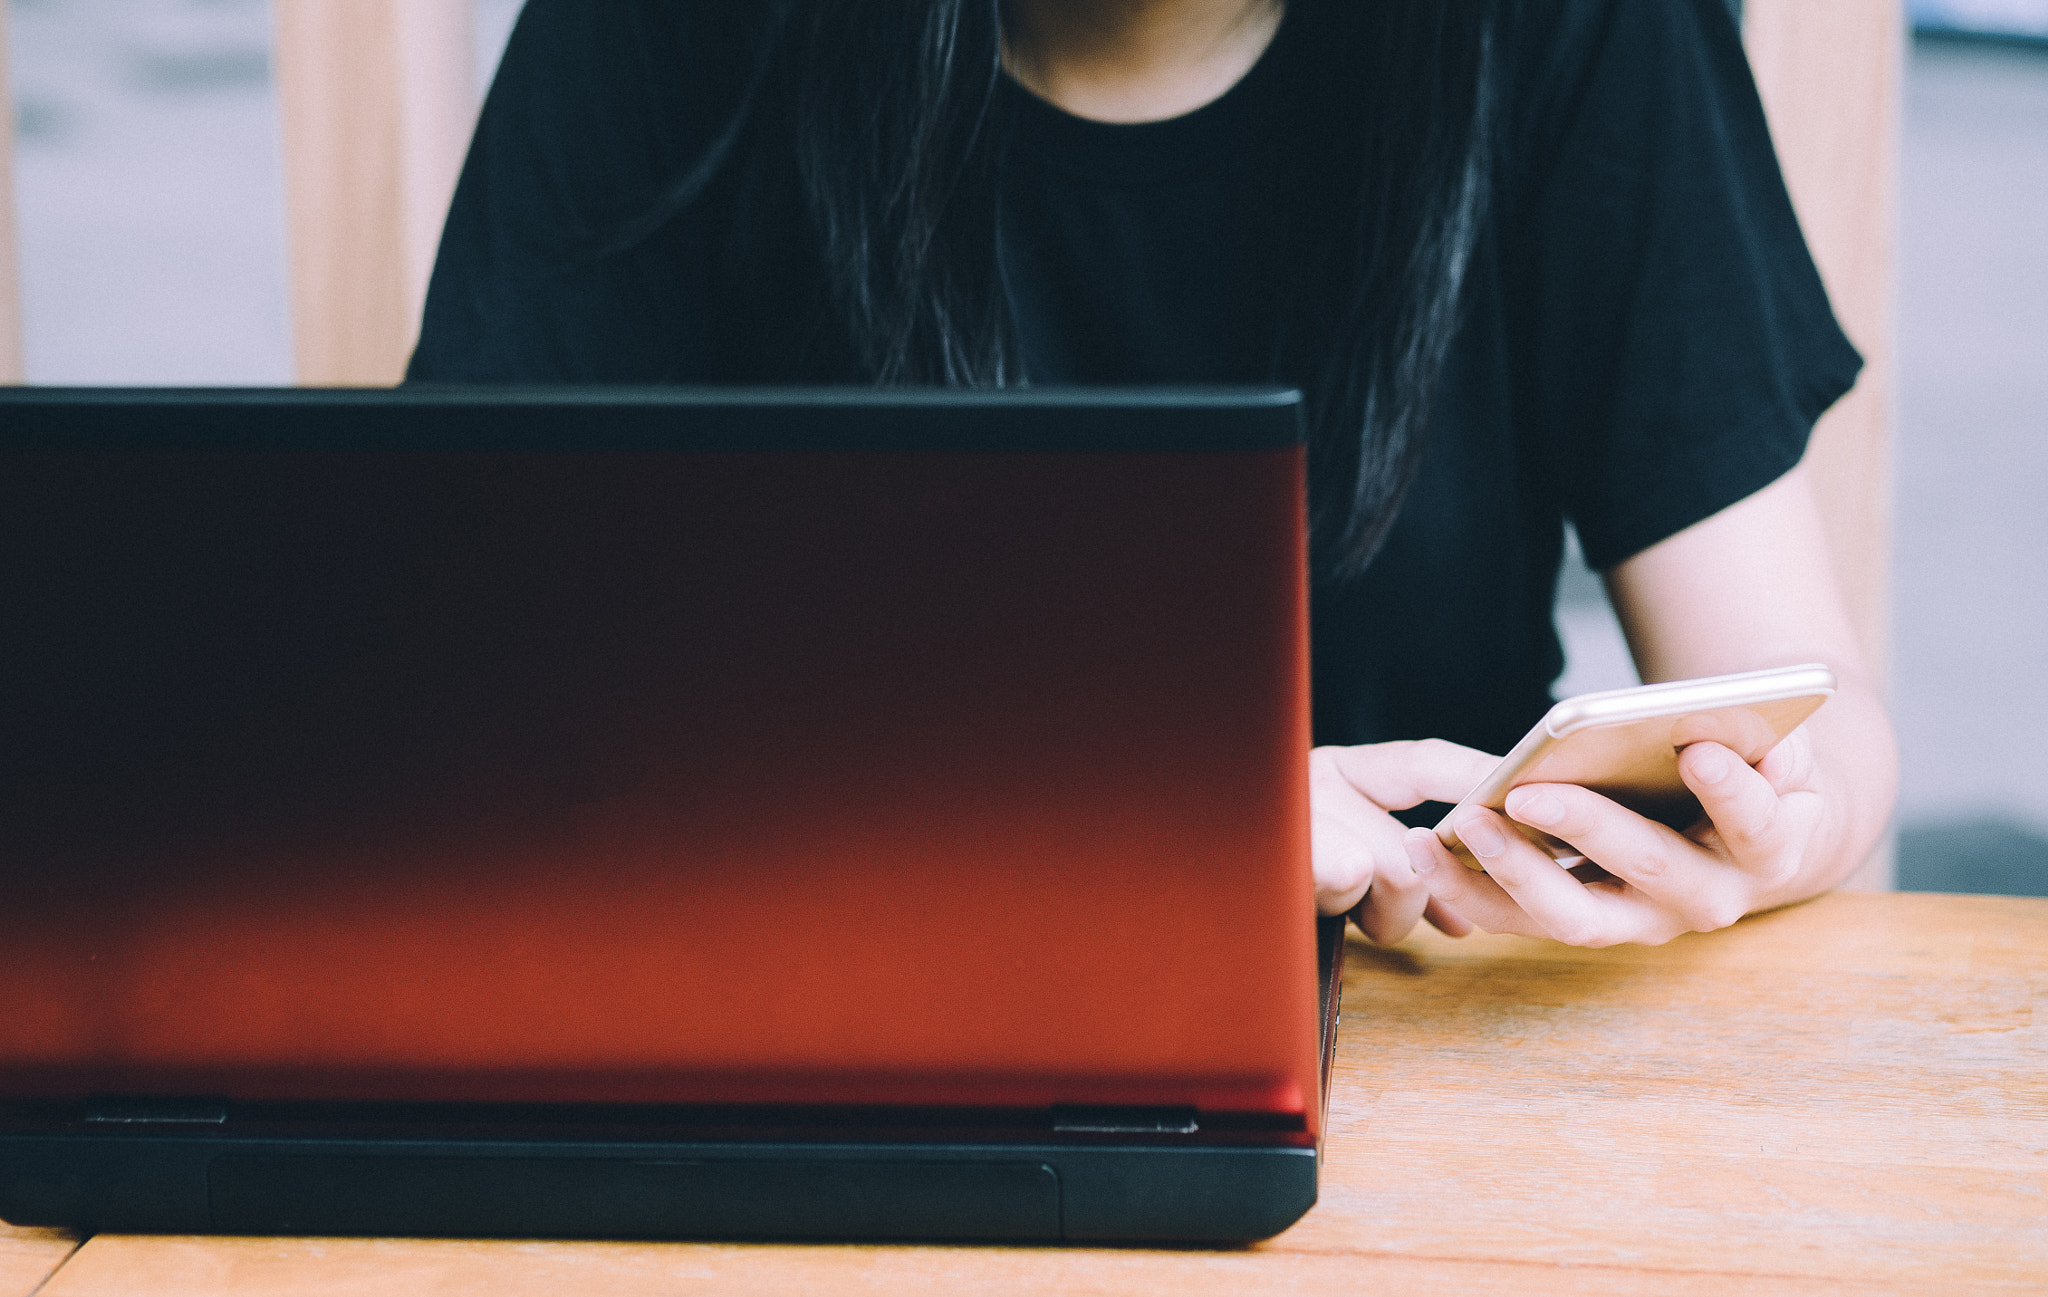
(1847,1096)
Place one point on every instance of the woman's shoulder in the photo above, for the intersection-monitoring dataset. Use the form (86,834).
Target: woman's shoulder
(625,57)
(1675,340)
(1579,66)
(597,107)
(696,30)
(1565,38)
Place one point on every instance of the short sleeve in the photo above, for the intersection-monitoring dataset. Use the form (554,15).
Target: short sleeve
(1674,337)
(596,110)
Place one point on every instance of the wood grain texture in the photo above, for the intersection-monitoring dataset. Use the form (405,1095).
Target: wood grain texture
(1845,1097)
(11,362)
(377,99)
(1829,72)
(28,1257)
(1854,1090)
(135,1267)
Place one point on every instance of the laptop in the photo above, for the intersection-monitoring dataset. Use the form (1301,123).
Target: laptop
(658,814)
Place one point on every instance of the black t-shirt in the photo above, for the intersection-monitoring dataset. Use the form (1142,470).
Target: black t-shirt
(1645,338)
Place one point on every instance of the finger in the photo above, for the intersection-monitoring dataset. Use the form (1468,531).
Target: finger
(1471,895)
(1669,869)
(1341,854)
(1400,775)
(1445,919)
(1353,843)
(1396,900)
(1790,765)
(1559,904)
(1342,861)
(1740,801)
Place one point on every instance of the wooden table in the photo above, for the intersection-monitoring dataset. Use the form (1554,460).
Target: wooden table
(1845,1097)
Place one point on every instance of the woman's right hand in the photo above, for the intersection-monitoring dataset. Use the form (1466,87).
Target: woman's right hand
(1361,864)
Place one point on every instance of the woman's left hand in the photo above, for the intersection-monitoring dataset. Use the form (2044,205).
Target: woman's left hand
(1743,856)
(1361,867)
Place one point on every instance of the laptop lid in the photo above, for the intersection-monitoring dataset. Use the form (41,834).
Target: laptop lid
(657,747)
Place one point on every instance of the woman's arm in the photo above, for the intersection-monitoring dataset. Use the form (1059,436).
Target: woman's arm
(1752,587)
(1748,588)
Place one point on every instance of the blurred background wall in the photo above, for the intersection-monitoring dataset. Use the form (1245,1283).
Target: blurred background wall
(151,188)
(151,210)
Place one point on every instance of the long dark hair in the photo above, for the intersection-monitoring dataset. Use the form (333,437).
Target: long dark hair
(886,114)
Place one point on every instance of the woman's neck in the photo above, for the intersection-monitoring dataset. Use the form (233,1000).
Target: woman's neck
(1135,60)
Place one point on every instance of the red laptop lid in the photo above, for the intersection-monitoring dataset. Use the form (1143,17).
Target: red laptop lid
(657,748)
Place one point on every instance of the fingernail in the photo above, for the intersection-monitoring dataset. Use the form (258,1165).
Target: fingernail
(1538,808)
(1478,833)
(1711,767)
(1419,853)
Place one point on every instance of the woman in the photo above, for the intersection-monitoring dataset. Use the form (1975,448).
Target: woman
(1529,260)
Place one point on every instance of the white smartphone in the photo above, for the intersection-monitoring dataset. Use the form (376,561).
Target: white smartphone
(1624,744)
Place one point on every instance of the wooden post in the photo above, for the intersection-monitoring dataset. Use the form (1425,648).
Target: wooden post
(11,361)
(378,99)
(1829,72)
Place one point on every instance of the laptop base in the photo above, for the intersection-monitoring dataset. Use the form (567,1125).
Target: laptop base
(133,1166)
(465,1188)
